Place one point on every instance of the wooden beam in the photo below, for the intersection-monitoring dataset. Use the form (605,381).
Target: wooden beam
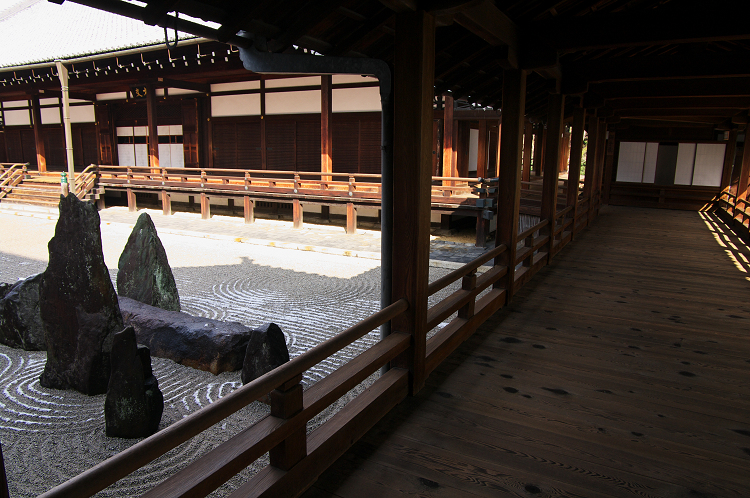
(326,126)
(153,130)
(696,22)
(184,85)
(744,177)
(679,103)
(729,155)
(509,184)
(686,87)
(488,22)
(552,165)
(414,73)
(36,114)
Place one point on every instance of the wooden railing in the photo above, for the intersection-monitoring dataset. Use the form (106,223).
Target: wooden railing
(11,174)
(296,459)
(86,180)
(737,209)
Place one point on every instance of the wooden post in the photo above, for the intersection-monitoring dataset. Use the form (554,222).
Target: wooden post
(731,151)
(326,128)
(166,203)
(538,158)
(205,207)
(286,402)
(528,139)
(499,144)
(482,149)
(249,206)
(448,164)
(36,113)
(351,219)
(131,200)
(551,166)
(153,130)
(565,150)
(609,163)
(297,214)
(468,283)
(461,149)
(576,151)
(509,187)
(588,180)
(414,73)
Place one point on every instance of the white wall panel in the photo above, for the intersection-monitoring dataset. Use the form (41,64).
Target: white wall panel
(52,101)
(237,85)
(356,99)
(236,105)
(15,103)
(285,82)
(140,131)
(709,163)
(126,154)
(683,173)
(306,102)
(82,114)
(649,162)
(473,150)
(17,117)
(112,96)
(165,156)
(630,162)
(141,154)
(50,115)
(177,155)
(351,78)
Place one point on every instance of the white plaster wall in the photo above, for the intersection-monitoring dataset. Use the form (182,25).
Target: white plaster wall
(82,114)
(17,117)
(50,115)
(181,91)
(356,99)
(235,105)
(15,103)
(112,96)
(473,151)
(306,102)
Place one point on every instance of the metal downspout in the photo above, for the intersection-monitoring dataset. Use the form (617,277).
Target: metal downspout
(273,63)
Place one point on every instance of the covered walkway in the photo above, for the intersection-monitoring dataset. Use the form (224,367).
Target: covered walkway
(620,370)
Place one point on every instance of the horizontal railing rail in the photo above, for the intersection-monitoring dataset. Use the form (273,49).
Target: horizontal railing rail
(115,468)
(12,175)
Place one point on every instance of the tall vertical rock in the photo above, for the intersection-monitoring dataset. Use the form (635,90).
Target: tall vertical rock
(77,303)
(143,270)
(134,403)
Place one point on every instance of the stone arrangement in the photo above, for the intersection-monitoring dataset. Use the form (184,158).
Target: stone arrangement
(77,303)
(143,270)
(193,341)
(20,322)
(134,403)
(266,350)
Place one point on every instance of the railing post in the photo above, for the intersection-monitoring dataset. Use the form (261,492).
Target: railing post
(351,218)
(131,195)
(468,283)
(286,402)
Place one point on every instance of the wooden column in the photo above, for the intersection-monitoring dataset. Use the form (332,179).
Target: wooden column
(731,151)
(351,219)
(499,145)
(153,130)
(286,402)
(414,73)
(528,140)
(249,209)
(509,185)
(132,206)
(166,203)
(538,149)
(588,180)
(205,207)
(609,163)
(263,143)
(448,163)
(565,150)
(482,149)
(36,113)
(326,126)
(297,214)
(551,165)
(461,149)
(576,151)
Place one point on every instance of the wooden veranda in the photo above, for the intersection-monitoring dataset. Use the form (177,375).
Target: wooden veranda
(621,370)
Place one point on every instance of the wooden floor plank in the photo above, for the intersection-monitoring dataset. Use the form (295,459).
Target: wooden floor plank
(623,368)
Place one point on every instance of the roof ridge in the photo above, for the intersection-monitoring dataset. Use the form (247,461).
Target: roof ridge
(16,8)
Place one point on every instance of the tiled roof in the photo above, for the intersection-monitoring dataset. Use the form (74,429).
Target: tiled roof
(33,31)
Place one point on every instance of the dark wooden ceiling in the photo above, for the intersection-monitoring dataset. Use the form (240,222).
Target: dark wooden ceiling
(650,62)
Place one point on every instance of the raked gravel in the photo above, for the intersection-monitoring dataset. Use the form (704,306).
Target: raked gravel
(49,436)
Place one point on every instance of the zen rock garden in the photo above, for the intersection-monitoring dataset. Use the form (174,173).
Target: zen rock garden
(100,341)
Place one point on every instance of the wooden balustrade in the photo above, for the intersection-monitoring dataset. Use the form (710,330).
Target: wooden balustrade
(735,208)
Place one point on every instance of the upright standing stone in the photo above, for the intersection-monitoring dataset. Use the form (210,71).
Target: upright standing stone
(78,303)
(265,351)
(134,403)
(21,324)
(143,270)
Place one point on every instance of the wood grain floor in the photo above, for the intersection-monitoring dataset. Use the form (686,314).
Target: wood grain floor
(622,369)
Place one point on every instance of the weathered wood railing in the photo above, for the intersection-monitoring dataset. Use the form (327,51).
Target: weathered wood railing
(737,210)
(296,459)
(11,174)
(532,255)
(85,181)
